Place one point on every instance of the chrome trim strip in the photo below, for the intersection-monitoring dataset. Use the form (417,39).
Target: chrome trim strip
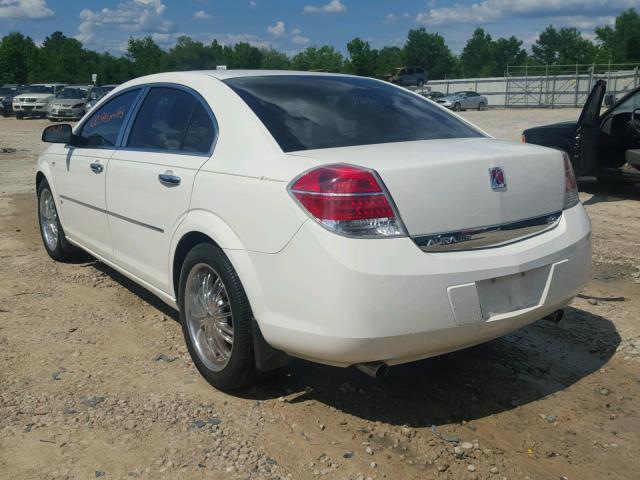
(372,194)
(121,217)
(490,236)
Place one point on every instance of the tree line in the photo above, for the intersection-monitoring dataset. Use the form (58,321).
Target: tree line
(64,59)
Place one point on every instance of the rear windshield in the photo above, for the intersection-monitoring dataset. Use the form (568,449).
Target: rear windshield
(305,112)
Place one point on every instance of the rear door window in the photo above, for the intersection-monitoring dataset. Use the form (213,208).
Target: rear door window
(172,119)
(305,112)
(103,127)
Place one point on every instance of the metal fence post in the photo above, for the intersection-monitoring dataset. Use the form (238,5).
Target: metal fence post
(575,101)
(526,84)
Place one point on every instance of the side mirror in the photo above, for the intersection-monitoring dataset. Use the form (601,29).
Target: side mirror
(57,133)
(609,100)
(635,120)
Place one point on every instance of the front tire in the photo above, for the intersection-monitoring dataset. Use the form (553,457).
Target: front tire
(19,116)
(457,107)
(420,83)
(216,319)
(51,230)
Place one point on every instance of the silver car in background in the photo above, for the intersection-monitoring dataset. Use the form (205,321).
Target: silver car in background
(70,102)
(465,100)
(105,89)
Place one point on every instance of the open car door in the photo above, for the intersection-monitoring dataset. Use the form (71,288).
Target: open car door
(587,133)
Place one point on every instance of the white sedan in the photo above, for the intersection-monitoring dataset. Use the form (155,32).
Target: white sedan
(334,218)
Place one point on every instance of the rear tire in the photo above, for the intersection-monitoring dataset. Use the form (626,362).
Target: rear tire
(53,238)
(481,106)
(216,319)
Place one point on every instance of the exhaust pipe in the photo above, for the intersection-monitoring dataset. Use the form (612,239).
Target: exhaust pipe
(555,316)
(373,369)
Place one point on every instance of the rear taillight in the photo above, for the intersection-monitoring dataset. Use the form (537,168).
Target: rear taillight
(348,200)
(571,197)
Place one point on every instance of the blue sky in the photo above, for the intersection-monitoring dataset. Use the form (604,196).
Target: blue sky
(292,25)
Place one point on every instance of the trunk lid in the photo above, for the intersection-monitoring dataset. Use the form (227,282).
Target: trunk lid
(443,186)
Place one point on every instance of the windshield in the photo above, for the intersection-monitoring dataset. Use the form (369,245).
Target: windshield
(305,112)
(39,89)
(4,91)
(73,92)
(458,94)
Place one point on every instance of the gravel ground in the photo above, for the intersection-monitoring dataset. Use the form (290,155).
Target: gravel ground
(96,381)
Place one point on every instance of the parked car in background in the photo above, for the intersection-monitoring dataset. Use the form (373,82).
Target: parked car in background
(105,89)
(34,101)
(348,265)
(407,76)
(435,96)
(599,145)
(70,102)
(7,92)
(464,100)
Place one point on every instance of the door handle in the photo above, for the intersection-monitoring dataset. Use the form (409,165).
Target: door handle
(96,167)
(169,180)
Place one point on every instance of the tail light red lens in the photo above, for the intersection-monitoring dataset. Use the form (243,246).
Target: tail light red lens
(348,200)
(571,197)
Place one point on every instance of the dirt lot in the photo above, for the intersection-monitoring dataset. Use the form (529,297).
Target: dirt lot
(96,382)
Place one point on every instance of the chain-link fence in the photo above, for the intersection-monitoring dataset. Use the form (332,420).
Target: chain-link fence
(547,86)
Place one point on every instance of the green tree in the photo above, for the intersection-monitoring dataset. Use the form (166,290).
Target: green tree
(506,51)
(245,55)
(389,58)
(16,58)
(476,58)
(325,58)
(363,60)
(564,46)
(187,54)
(62,59)
(484,57)
(622,42)
(428,50)
(145,54)
(274,60)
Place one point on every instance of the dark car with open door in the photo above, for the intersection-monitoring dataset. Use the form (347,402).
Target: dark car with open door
(607,145)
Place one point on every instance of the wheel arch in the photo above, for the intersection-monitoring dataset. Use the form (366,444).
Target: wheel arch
(199,226)
(205,227)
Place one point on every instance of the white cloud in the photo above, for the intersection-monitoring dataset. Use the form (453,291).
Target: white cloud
(300,40)
(489,11)
(334,6)
(583,22)
(252,3)
(25,9)
(277,30)
(132,16)
(202,15)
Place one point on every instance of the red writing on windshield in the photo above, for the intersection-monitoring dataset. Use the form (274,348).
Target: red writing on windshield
(107,117)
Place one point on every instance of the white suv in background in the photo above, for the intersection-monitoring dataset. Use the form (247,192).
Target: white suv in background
(35,100)
(334,218)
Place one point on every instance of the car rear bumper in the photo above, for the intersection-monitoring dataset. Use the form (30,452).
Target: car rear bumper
(343,301)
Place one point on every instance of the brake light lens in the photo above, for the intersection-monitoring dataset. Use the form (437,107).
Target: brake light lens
(348,200)
(571,197)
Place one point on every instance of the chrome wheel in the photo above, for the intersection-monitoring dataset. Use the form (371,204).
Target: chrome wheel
(48,219)
(208,316)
